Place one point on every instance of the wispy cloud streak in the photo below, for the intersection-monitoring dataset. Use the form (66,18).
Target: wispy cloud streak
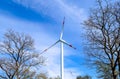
(54,8)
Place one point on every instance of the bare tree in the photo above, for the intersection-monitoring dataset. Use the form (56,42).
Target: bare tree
(17,55)
(103,32)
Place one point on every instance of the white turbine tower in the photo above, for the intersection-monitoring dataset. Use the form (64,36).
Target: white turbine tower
(61,49)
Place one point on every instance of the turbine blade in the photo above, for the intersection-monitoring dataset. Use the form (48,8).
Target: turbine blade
(61,34)
(49,47)
(68,44)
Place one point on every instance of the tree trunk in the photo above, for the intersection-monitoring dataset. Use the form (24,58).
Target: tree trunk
(114,75)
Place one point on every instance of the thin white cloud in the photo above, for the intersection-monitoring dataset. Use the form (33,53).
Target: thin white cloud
(56,9)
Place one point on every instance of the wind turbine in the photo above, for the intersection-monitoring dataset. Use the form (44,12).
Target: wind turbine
(62,42)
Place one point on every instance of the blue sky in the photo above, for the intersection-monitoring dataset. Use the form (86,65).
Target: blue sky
(42,19)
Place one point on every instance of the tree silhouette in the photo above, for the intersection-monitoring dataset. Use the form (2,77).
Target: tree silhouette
(103,32)
(18,56)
